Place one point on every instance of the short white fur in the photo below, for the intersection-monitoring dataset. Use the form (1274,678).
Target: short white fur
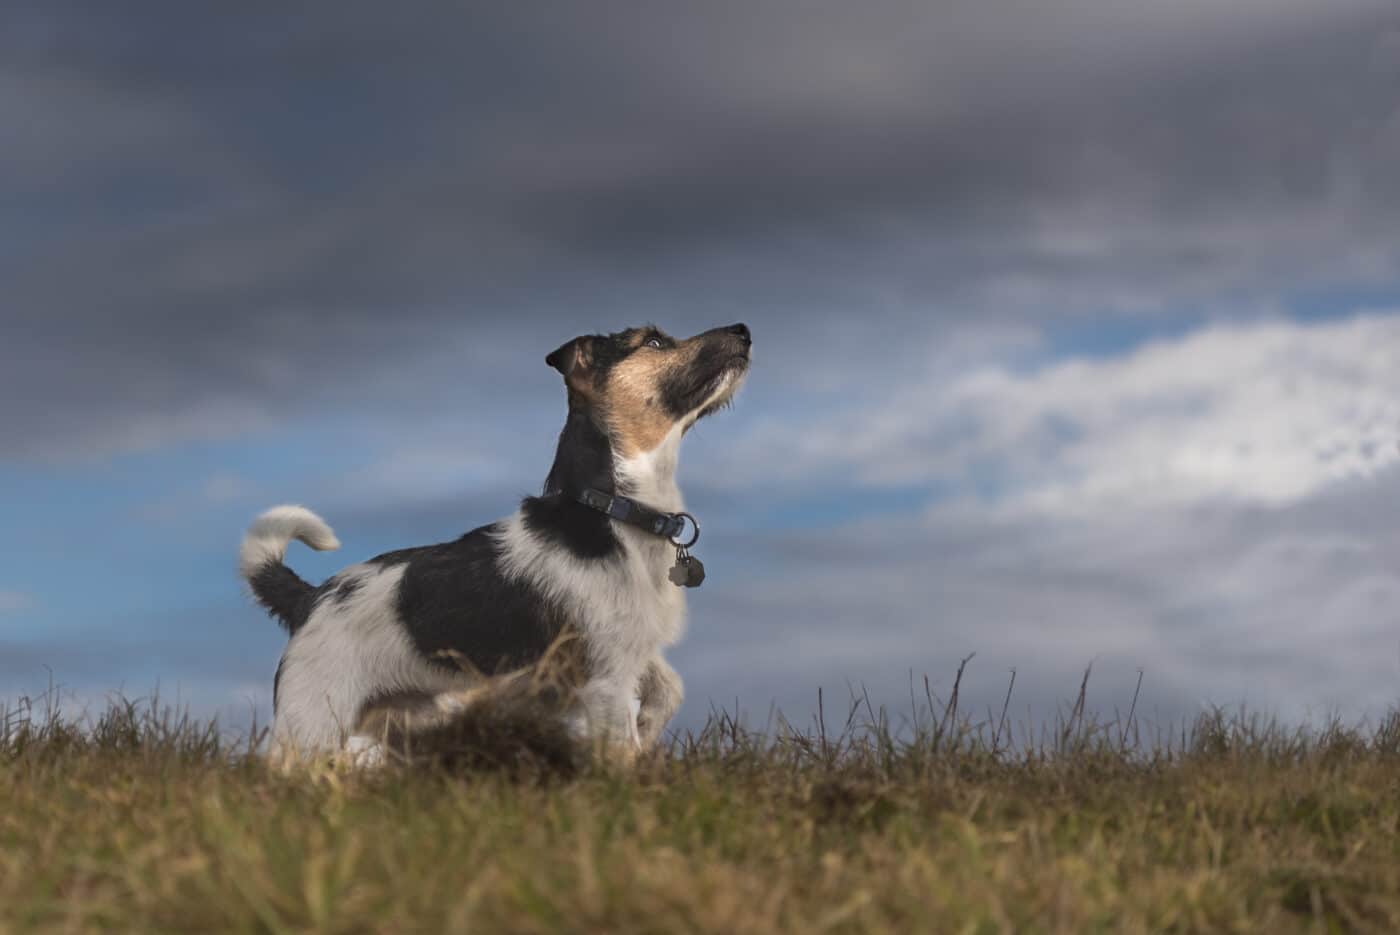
(349,651)
(267,539)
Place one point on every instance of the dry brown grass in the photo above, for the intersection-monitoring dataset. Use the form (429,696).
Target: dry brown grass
(143,821)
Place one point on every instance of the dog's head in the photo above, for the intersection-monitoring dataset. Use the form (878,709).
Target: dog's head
(641,385)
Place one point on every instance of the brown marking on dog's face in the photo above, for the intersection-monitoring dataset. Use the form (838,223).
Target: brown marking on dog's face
(641,383)
(637,416)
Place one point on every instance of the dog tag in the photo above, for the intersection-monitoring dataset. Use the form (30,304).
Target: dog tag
(696,572)
(688,572)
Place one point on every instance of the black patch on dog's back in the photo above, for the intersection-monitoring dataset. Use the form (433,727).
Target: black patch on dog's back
(566,523)
(453,599)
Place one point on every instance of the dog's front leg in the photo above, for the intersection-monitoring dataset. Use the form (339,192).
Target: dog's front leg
(608,716)
(660,693)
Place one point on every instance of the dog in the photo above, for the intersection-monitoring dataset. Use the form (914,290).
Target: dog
(595,561)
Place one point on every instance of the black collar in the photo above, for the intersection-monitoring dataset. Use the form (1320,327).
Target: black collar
(627,510)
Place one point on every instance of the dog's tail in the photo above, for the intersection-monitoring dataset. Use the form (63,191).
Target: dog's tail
(274,585)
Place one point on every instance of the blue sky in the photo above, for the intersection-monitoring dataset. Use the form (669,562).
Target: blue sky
(1077,337)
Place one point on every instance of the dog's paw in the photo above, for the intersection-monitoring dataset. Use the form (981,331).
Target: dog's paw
(364,752)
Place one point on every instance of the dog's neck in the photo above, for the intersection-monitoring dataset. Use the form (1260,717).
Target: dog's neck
(650,477)
(585,458)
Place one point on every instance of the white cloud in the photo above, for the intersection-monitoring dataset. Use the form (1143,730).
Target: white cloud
(1215,509)
(1267,413)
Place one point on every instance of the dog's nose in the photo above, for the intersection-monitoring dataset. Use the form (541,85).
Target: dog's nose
(742,330)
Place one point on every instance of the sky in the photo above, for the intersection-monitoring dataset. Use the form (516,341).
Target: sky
(1077,328)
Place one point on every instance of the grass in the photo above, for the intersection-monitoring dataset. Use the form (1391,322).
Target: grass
(143,820)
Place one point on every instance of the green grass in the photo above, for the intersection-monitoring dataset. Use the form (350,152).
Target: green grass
(144,821)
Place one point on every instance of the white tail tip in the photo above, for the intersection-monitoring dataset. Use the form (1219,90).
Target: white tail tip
(267,539)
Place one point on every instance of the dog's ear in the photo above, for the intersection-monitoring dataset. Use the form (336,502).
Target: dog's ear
(575,361)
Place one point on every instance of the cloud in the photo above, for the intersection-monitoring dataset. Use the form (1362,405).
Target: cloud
(335,230)
(1292,610)
(1214,508)
(1042,513)
(240,221)
(1257,413)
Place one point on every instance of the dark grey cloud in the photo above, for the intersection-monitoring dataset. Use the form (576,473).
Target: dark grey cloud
(209,215)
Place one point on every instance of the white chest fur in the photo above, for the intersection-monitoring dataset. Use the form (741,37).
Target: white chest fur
(625,605)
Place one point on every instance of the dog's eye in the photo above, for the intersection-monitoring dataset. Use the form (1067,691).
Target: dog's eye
(654,342)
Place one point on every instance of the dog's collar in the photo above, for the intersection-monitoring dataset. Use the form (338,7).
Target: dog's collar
(669,526)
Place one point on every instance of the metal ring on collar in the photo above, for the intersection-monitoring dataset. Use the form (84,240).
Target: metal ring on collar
(693,539)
